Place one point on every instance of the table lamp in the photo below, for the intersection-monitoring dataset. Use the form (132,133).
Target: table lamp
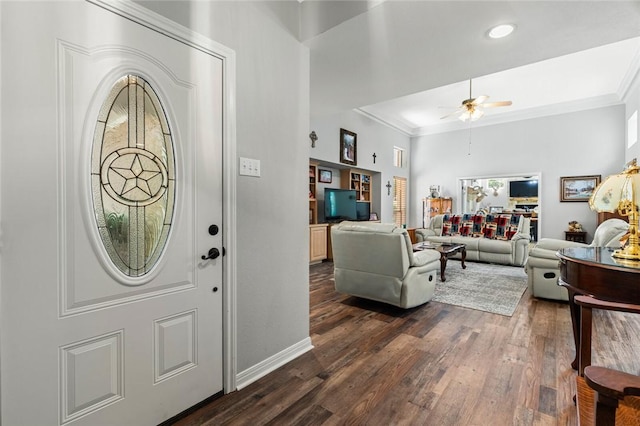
(621,192)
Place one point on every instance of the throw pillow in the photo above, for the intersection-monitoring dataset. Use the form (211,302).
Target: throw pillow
(489,230)
(507,217)
(502,224)
(455,224)
(466,229)
(511,231)
(446,229)
(478,224)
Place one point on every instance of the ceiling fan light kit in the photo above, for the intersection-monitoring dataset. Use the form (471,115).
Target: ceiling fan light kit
(472,108)
(473,114)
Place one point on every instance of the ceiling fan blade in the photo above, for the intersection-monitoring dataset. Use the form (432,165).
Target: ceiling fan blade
(497,104)
(480,99)
(458,111)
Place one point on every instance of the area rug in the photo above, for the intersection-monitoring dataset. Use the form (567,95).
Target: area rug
(482,286)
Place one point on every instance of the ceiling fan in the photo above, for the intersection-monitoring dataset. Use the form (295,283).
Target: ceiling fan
(472,108)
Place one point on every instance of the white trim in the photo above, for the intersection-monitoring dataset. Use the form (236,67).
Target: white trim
(184,35)
(251,374)
(527,114)
(507,117)
(405,130)
(2,326)
(627,81)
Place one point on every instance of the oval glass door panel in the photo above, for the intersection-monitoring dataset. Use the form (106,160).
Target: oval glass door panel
(133,176)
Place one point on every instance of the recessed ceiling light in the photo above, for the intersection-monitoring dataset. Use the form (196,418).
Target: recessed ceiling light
(500,31)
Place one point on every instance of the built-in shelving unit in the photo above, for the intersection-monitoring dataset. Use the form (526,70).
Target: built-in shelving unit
(313,201)
(358,180)
(317,231)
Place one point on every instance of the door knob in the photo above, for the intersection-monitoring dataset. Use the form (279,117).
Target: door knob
(213,253)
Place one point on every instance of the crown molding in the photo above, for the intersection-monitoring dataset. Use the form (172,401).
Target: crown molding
(527,114)
(508,117)
(395,125)
(630,76)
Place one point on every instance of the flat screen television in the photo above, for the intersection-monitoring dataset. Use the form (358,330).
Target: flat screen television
(363,210)
(340,204)
(523,188)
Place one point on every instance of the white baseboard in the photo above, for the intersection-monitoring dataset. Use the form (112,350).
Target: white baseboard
(250,375)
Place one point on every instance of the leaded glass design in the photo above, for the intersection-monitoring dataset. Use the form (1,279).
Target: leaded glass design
(133,176)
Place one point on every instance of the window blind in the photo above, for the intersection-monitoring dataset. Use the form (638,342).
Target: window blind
(400,200)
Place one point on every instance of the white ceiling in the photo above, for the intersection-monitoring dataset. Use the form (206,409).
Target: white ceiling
(402,61)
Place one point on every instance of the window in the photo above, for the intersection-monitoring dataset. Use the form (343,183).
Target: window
(400,200)
(133,176)
(398,156)
(632,129)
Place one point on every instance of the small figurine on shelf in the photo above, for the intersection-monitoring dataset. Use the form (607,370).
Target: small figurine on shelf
(574,226)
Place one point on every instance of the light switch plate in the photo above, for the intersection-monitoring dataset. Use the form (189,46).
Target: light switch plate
(249,167)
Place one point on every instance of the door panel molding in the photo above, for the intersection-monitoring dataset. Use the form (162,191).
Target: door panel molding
(178,32)
(175,345)
(91,375)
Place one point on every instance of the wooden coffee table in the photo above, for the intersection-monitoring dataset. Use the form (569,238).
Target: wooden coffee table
(446,250)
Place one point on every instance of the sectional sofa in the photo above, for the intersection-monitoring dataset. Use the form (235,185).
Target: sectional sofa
(500,238)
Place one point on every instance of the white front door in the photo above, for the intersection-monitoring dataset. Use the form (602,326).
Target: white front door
(111,197)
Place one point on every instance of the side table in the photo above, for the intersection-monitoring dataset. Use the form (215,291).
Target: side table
(578,237)
(412,235)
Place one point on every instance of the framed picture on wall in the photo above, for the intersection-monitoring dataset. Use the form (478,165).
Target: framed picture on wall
(325,176)
(578,188)
(348,147)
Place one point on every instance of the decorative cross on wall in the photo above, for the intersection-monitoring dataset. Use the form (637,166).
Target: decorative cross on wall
(388,187)
(374,158)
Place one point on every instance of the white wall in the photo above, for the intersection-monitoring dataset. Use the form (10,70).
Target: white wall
(272,115)
(632,101)
(372,137)
(583,143)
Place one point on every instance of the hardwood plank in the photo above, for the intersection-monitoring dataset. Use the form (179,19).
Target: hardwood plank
(376,364)
(276,401)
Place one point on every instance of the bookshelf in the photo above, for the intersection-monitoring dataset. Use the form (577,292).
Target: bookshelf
(313,201)
(358,180)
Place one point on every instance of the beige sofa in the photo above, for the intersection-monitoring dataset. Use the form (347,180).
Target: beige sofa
(512,251)
(543,265)
(376,261)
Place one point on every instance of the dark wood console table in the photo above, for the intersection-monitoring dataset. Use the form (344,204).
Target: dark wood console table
(592,271)
(579,237)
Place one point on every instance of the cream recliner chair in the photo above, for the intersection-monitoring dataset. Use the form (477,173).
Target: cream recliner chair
(376,261)
(543,266)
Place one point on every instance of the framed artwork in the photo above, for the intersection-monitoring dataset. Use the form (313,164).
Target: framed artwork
(325,176)
(348,147)
(578,188)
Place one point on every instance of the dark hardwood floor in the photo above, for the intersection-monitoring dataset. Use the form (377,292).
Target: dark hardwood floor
(374,364)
